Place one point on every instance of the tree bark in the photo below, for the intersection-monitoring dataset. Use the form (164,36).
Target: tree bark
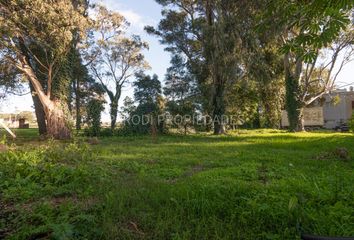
(77,103)
(219,109)
(39,111)
(57,118)
(294,104)
(114,114)
(58,126)
(301,121)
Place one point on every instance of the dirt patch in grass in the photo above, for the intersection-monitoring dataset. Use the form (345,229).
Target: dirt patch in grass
(196,169)
(340,153)
(3,148)
(263,174)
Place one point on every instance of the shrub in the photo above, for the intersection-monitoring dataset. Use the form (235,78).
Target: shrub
(50,185)
(94,109)
(351,123)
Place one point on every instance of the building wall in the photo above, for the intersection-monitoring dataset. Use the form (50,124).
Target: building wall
(337,114)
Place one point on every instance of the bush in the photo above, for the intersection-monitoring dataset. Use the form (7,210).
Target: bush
(351,123)
(48,185)
(94,109)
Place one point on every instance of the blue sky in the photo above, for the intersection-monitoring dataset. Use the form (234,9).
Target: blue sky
(140,13)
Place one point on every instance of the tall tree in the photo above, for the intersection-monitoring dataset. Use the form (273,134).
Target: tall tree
(27,36)
(266,69)
(181,31)
(180,91)
(83,88)
(213,36)
(147,92)
(147,95)
(114,58)
(11,82)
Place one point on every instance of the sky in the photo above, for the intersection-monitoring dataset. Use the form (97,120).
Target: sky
(138,13)
(141,13)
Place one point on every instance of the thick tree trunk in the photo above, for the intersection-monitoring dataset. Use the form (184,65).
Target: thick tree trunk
(57,118)
(294,105)
(39,111)
(219,109)
(58,126)
(114,114)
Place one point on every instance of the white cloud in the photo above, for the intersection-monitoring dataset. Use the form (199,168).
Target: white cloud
(133,18)
(137,21)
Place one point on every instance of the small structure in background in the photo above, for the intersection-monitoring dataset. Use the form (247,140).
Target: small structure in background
(22,123)
(21,120)
(339,112)
(333,111)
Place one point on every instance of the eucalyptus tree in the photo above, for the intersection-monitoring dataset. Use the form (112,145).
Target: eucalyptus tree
(36,43)
(213,36)
(114,57)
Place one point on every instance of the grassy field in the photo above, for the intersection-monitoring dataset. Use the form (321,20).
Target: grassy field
(249,185)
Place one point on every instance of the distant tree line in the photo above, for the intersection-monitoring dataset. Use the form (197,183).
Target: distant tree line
(248,59)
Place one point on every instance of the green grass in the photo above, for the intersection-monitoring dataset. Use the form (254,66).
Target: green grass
(250,185)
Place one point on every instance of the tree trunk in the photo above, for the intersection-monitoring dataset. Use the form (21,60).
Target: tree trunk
(294,105)
(77,104)
(78,114)
(57,118)
(58,126)
(114,114)
(301,121)
(39,111)
(219,109)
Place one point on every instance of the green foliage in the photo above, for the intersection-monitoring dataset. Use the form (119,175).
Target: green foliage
(292,102)
(351,123)
(83,87)
(3,140)
(114,57)
(131,188)
(181,93)
(41,188)
(94,109)
(143,118)
(317,23)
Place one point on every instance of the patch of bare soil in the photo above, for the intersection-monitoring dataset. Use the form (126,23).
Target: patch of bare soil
(263,174)
(193,171)
(3,148)
(196,169)
(339,153)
